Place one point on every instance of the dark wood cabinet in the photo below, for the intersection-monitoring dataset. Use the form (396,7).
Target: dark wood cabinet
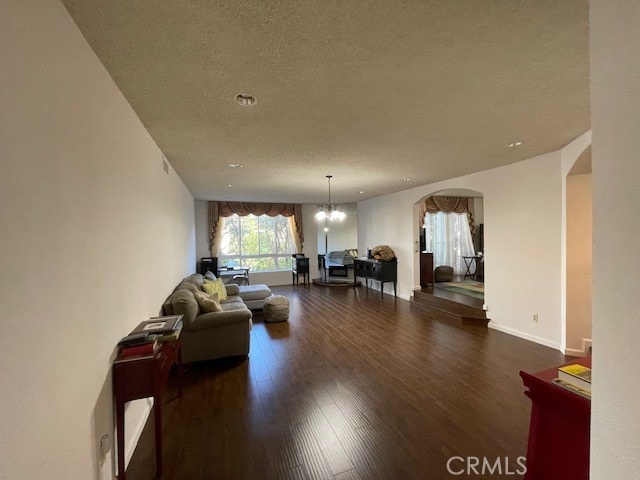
(426,269)
(208,264)
(376,270)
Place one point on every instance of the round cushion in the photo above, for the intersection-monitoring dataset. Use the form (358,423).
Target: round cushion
(444,273)
(276,308)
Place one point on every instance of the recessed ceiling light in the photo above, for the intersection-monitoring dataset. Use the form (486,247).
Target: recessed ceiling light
(229,185)
(235,165)
(245,100)
(406,179)
(515,143)
(361,192)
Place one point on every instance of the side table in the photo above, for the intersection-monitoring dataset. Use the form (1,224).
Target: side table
(141,378)
(468,263)
(559,431)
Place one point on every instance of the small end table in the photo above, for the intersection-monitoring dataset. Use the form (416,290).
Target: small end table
(468,262)
(135,378)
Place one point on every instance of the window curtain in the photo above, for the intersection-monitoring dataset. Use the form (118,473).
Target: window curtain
(448,236)
(448,205)
(219,210)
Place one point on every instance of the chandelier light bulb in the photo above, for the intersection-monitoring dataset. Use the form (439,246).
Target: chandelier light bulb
(337,215)
(329,211)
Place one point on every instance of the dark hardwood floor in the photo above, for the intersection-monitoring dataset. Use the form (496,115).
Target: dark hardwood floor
(352,387)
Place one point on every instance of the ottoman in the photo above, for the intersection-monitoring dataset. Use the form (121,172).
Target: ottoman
(444,273)
(276,309)
(253,295)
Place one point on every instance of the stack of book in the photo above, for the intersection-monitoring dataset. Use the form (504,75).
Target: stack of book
(576,378)
(145,340)
(138,345)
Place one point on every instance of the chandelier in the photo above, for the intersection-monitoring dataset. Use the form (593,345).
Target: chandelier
(329,211)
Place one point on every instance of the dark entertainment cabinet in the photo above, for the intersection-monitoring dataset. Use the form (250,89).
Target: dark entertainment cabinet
(376,270)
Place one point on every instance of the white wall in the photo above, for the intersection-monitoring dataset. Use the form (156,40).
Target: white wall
(94,236)
(579,232)
(522,217)
(202,229)
(478,210)
(615,69)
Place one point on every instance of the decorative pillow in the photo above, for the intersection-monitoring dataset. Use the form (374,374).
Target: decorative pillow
(184,303)
(208,303)
(215,287)
(222,290)
(209,287)
(209,276)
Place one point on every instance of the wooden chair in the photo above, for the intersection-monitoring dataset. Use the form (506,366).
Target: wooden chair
(299,266)
(241,279)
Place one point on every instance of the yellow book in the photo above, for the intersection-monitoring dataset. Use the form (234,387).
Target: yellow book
(576,375)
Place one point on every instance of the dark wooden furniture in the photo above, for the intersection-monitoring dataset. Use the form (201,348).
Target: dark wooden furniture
(468,262)
(559,431)
(141,378)
(376,270)
(208,264)
(426,269)
(299,266)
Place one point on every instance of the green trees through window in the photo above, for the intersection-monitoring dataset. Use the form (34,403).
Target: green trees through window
(262,243)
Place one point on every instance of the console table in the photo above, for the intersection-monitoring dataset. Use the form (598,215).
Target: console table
(376,270)
(141,378)
(559,432)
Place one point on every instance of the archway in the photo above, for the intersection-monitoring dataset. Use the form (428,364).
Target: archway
(578,255)
(470,268)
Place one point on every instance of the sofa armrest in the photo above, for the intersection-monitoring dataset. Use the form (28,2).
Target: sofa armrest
(232,289)
(219,319)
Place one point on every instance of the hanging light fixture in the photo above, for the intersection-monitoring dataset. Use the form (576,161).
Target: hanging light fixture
(329,211)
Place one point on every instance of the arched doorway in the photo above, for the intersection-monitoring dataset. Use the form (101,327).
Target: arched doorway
(578,255)
(448,271)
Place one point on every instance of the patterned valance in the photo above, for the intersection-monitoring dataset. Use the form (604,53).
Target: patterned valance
(227,209)
(447,205)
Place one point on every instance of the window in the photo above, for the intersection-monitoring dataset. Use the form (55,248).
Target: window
(449,238)
(260,242)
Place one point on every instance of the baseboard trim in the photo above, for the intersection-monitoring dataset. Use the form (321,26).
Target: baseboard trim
(573,352)
(526,336)
(576,352)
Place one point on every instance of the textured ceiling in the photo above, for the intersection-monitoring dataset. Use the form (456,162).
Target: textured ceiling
(370,92)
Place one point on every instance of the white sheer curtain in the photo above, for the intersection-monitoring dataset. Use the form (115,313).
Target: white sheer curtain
(449,238)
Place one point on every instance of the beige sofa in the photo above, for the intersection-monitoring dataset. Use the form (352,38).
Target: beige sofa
(207,336)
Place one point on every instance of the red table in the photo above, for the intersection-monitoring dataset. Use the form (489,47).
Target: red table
(559,431)
(140,378)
